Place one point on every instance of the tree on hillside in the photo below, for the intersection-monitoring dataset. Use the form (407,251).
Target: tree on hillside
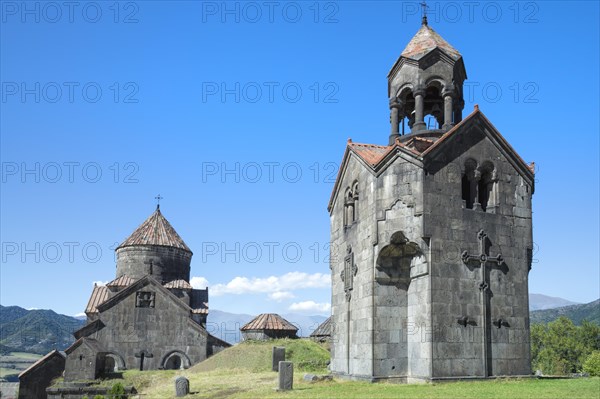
(560,347)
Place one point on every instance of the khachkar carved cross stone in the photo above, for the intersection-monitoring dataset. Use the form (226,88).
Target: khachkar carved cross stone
(347,275)
(484,258)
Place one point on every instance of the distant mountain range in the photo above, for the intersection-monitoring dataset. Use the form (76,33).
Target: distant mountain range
(577,313)
(40,331)
(540,302)
(35,331)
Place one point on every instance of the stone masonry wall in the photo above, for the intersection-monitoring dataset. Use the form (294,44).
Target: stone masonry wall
(458,350)
(130,329)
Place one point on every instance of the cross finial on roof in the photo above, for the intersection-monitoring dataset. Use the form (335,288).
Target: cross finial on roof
(158,198)
(424,13)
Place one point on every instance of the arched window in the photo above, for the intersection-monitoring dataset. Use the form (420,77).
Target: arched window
(486,186)
(469,184)
(351,205)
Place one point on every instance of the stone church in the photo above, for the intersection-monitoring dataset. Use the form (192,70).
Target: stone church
(149,317)
(431,236)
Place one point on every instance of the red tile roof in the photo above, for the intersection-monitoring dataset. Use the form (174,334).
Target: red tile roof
(155,230)
(99,296)
(203,310)
(425,40)
(123,281)
(269,321)
(179,284)
(370,153)
(324,330)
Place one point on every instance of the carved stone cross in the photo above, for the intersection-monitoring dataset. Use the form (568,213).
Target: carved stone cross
(347,275)
(143,355)
(484,258)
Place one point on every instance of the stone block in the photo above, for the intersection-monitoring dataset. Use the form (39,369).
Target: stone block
(286,376)
(278,356)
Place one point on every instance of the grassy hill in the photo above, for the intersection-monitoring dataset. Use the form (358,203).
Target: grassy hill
(243,371)
(35,331)
(577,313)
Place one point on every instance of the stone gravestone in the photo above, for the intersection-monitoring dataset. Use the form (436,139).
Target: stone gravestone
(286,376)
(278,356)
(182,386)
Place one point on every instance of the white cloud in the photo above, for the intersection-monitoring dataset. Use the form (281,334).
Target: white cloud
(281,295)
(199,283)
(100,283)
(272,284)
(80,315)
(310,306)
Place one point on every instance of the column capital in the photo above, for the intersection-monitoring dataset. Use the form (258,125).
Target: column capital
(419,91)
(395,102)
(448,92)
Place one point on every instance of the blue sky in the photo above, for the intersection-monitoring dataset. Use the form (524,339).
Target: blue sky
(237,113)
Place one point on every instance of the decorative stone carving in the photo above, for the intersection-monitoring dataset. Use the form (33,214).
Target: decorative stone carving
(347,275)
(484,258)
(144,299)
(395,259)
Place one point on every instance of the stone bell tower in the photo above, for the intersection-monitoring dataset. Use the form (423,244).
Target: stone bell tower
(427,79)
(431,236)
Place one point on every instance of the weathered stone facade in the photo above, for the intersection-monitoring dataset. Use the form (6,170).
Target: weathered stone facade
(149,317)
(420,291)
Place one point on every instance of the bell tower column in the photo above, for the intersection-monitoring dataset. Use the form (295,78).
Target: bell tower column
(448,95)
(419,124)
(395,107)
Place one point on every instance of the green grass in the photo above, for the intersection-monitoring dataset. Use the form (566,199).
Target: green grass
(243,372)
(15,362)
(255,356)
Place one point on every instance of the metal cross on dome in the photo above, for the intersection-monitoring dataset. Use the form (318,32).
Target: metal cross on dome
(424,12)
(158,198)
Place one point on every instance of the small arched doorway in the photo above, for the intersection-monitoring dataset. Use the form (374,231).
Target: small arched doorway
(176,360)
(173,363)
(110,366)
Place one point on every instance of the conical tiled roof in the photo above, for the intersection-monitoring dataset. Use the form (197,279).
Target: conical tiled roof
(425,41)
(156,230)
(324,330)
(269,321)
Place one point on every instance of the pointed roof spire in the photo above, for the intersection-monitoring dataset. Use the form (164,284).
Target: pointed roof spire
(156,230)
(426,40)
